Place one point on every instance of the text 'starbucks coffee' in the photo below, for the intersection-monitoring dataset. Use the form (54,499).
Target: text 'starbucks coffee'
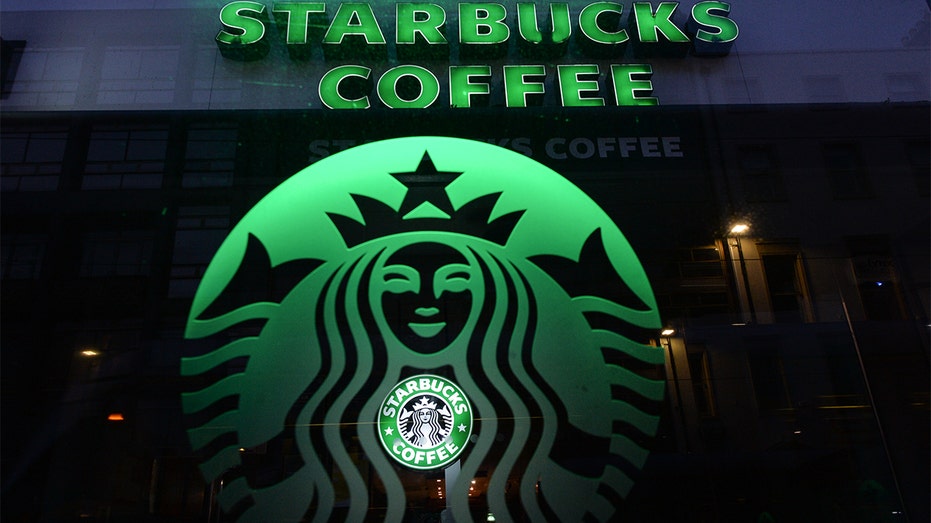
(425,422)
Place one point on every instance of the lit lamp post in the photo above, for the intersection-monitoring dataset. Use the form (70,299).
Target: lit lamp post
(736,231)
(666,341)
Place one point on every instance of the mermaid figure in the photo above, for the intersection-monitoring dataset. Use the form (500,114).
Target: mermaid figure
(497,274)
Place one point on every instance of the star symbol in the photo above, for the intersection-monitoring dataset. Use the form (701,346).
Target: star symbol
(426,188)
(462,427)
(389,431)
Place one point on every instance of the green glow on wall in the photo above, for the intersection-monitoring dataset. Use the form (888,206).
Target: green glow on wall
(456,259)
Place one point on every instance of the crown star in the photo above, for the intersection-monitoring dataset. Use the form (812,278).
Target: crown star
(425,404)
(426,197)
(426,207)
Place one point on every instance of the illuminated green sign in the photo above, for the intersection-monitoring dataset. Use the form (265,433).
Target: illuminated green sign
(434,276)
(425,421)
(354,32)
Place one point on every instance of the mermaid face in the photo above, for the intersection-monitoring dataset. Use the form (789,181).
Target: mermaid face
(424,416)
(428,295)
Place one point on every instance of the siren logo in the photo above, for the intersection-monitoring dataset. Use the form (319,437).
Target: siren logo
(425,422)
(343,323)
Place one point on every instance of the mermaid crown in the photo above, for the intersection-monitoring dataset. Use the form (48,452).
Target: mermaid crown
(426,207)
(424,403)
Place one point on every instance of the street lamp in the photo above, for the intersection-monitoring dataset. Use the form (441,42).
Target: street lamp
(666,341)
(737,230)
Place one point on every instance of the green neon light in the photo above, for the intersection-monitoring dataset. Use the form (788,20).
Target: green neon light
(353,19)
(414,87)
(493,294)
(650,25)
(590,27)
(713,31)
(461,85)
(632,84)
(575,81)
(521,81)
(425,20)
(426,92)
(243,35)
(354,33)
(529,29)
(329,90)
(483,23)
(243,23)
(294,18)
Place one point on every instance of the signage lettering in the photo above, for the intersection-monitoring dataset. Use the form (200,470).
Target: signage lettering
(425,422)
(355,32)
(244,22)
(577,84)
(556,148)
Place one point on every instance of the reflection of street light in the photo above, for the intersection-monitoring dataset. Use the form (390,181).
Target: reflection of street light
(665,335)
(737,229)
(90,353)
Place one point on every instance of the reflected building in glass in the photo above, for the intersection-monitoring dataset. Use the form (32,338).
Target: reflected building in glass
(791,354)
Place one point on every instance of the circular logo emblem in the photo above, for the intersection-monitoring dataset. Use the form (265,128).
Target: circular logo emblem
(425,422)
(410,254)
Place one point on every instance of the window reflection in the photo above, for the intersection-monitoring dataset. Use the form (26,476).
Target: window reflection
(121,158)
(200,231)
(761,175)
(210,156)
(31,159)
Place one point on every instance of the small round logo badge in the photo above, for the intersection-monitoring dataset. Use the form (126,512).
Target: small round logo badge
(425,421)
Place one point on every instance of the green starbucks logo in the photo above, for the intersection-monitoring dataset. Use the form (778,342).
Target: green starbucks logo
(425,422)
(341,326)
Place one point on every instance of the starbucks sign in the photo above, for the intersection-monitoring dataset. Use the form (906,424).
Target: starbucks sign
(425,422)
(415,302)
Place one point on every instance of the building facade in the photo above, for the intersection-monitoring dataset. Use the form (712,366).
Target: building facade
(792,354)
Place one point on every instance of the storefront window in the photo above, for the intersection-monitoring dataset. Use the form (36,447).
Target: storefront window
(375,261)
